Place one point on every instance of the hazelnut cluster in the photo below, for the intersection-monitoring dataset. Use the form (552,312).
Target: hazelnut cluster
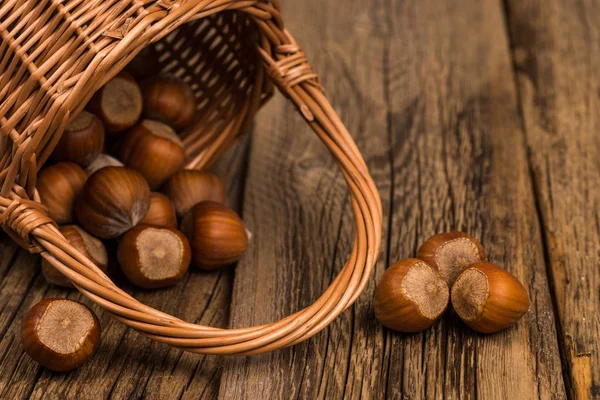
(118,174)
(449,268)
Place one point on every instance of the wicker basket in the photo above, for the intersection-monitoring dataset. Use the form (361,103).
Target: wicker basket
(55,54)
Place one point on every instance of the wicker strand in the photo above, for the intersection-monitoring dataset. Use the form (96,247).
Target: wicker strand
(19,217)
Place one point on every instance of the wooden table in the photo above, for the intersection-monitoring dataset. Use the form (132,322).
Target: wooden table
(481,116)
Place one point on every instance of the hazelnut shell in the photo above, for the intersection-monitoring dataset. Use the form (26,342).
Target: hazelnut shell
(58,186)
(154,150)
(216,233)
(410,296)
(153,257)
(161,212)
(118,103)
(187,188)
(114,200)
(488,298)
(450,253)
(82,141)
(103,160)
(169,100)
(60,334)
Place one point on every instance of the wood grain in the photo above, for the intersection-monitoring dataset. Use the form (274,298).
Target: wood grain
(474,116)
(127,365)
(556,47)
(456,125)
(433,107)
(297,206)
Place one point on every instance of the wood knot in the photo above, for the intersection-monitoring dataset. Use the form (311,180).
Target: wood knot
(20,218)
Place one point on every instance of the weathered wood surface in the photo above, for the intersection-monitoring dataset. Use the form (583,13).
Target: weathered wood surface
(556,47)
(464,127)
(434,109)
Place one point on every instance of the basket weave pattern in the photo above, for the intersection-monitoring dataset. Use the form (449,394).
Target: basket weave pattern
(55,54)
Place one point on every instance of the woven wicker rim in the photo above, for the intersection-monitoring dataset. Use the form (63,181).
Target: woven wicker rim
(36,110)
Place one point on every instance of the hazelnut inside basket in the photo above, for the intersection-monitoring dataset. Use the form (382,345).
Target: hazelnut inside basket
(232,53)
(216,56)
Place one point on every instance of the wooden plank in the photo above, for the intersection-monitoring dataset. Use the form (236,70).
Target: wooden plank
(461,164)
(556,48)
(127,364)
(427,97)
(297,207)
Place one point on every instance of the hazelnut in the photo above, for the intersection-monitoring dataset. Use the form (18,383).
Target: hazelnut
(410,296)
(450,253)
(153,149)
(60,334)
(169,100)
(153,257)
(113,200)
(86,244)
(82,140)
(118,103)
(217,235)
(103,160)
(161,212)
(488,298)
(187,188)
(58,185)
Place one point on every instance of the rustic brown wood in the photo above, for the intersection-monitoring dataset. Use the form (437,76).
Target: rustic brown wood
(127,365)
(463,138)
(427,88)
(556,47)
(297,206)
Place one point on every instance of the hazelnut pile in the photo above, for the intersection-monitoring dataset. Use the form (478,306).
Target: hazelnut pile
(449,268)
(117,174)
